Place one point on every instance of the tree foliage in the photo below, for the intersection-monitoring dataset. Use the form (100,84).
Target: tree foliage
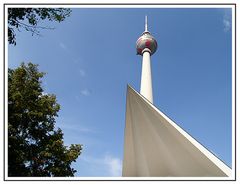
(29,18)
(35,147)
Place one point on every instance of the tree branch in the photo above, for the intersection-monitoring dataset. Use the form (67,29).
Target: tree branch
(35,27)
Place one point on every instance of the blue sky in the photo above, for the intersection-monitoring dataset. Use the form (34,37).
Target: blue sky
(90,58)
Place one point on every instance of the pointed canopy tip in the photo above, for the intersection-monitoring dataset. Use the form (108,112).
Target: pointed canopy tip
(129,86)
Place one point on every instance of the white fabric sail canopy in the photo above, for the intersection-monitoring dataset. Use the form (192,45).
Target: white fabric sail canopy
(155,146)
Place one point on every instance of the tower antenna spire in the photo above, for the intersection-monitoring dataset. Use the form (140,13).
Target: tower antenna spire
(146,24)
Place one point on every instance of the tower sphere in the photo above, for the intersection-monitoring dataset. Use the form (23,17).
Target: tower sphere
(146,41)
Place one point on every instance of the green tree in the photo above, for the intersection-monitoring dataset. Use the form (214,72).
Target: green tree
(29,18)
(35,146)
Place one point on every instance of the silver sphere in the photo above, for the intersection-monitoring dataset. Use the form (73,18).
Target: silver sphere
(146,41)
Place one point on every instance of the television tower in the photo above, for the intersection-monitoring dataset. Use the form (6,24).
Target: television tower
(154,145)
(146,46)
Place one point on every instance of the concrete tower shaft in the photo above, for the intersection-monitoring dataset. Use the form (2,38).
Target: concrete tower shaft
(146,45)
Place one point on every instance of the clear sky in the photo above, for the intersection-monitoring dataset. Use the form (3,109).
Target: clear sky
(90,58)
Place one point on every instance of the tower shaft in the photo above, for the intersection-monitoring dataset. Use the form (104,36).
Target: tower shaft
(146,46)
(146,78)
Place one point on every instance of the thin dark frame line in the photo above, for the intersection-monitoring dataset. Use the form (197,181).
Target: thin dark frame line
(120,4)
(4,157)
(235,10)
(127,4)
(118,180)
